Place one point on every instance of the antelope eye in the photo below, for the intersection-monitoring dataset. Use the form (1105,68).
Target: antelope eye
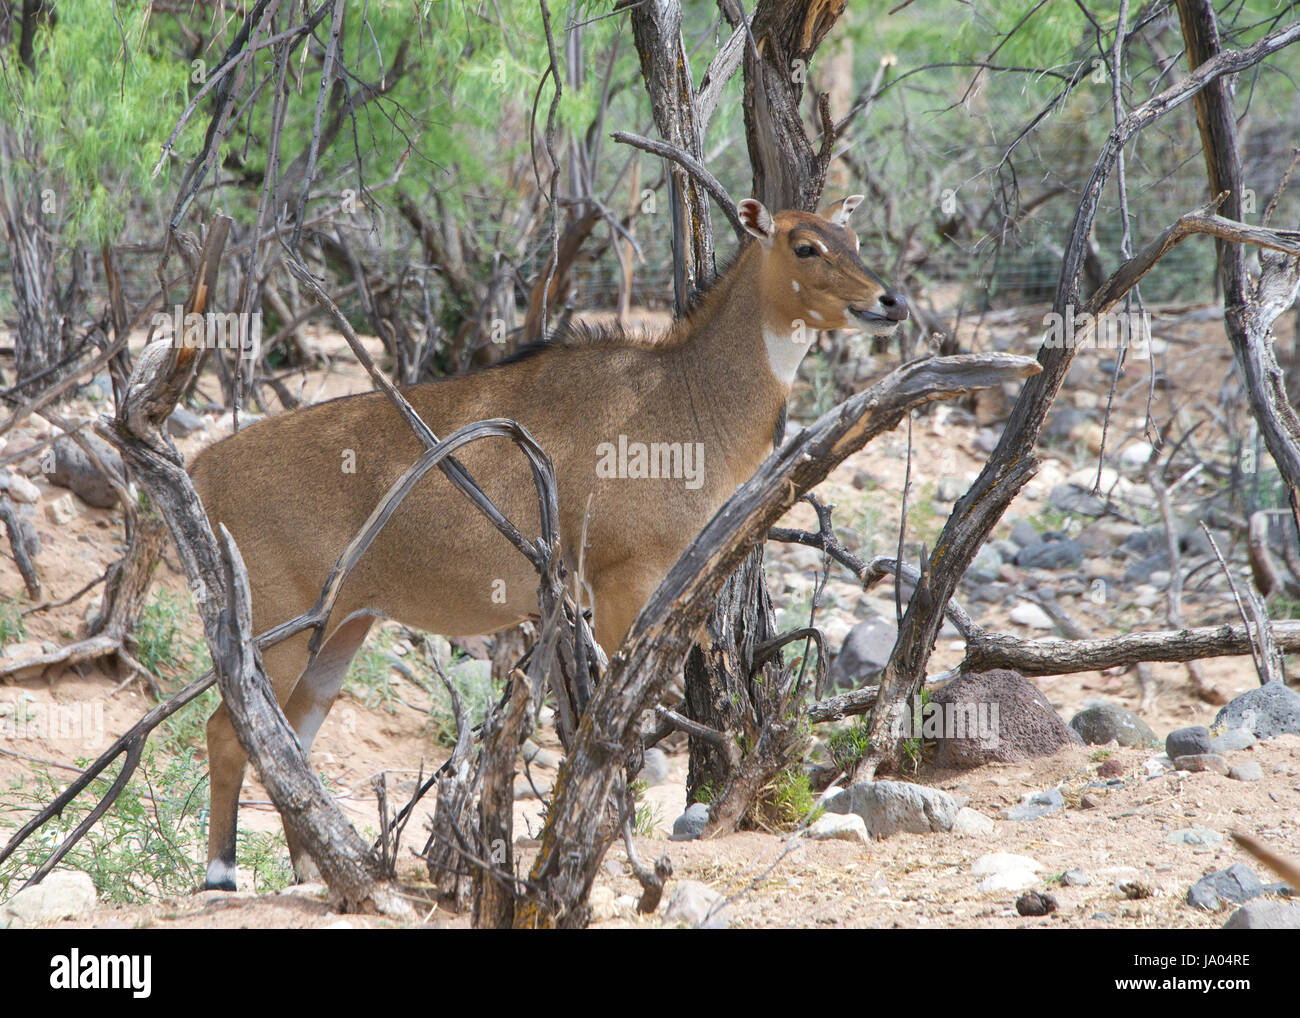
(805,251)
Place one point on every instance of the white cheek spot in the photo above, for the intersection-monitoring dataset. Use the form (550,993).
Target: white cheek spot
(815,316)
(220,873)
(820,246)
(794,285)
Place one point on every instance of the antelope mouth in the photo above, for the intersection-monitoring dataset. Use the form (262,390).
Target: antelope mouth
(874,323)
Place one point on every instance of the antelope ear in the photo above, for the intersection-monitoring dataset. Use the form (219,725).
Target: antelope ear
(839,212)
(756,220)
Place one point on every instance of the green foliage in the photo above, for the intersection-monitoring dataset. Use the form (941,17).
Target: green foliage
(163,640)
(849,745)
(12,629)
(787,802)
(369,677)
(106,93)
(146,847)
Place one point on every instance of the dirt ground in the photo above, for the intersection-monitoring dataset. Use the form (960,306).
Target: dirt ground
(776,881)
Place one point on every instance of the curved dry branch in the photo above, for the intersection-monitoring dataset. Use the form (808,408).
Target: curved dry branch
(573,842)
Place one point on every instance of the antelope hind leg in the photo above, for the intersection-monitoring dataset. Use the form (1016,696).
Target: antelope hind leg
(312,696)
(311,702)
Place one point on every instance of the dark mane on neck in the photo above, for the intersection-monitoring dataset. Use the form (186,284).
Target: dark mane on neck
(582,334)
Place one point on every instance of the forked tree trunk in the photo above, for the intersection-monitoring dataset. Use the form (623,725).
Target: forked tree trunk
(724,689)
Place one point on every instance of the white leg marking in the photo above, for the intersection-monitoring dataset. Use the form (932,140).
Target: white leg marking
(220,873)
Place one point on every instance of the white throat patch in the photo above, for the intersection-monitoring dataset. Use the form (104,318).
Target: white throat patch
(785,351)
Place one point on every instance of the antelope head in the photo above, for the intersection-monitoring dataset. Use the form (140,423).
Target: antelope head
(810,275)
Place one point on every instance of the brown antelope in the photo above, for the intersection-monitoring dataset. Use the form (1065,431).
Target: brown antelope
(658,435)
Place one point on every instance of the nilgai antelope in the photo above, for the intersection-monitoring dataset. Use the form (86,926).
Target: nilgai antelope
(658,435)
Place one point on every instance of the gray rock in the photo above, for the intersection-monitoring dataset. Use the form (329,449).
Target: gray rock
(1232,740)
(864,654)
(1023,724)
(1143,571)
(27,528)
(1268,711)
(1265,915)
(1075,878)
(1026,613)
(1248,771)
(1067,498)
(21,490)
(182,423)
(697,905)
(1007,549)
(984,568)
(1195,836)
(1100,724)
(655,769)
(1063,554)
(971,823)
(1187,741)
(691,824)
(1202,762)
(838,827)
(1237,884)
(1024,533)
(1148,541)
(949,489)
(1003,871)
(74,470)
(888,807)
(1037,804)
(64,894)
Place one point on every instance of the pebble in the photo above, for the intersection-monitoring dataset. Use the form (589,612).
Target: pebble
(691,904)
(971,823)
(1037,804)
(1194,836)
(690,825)
(839,827)
(1249,771)
(1035,903)
(1191,741)
(1029,614)
(1005,871)
(1238,883)
(1202,762)
(1233,739)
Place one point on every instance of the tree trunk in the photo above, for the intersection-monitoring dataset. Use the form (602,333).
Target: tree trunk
(724,689)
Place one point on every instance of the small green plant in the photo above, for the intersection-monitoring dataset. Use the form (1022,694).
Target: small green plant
(163,640)
(265,857)
(912,752)
(848,746)
(786,802)
(146,847)
(369,678)
(706,793)
(1101,754)
(11,622)
(648,817)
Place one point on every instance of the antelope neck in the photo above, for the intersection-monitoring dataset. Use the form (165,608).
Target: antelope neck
(737,362)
